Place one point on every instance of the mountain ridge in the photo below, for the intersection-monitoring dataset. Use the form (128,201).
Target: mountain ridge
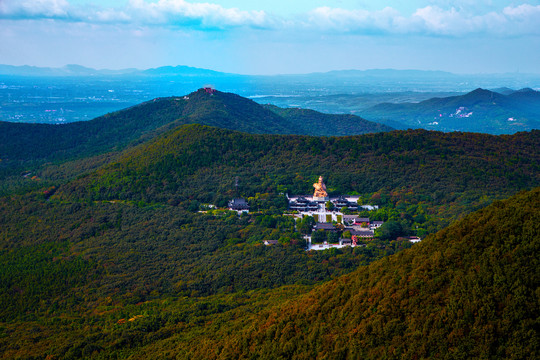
(78,70)
(480,110)
(23,141)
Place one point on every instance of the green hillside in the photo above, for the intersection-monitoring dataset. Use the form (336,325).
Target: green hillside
(319,124)
(27,142)
(479,111)
(470,291)
(100,279)
(452,171)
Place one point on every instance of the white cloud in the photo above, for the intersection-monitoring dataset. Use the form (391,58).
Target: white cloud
(519,20)
(34,8)
(108,16)
(342,20)
(435,20)
(524,18)
(430,20)
(141,12)
(209,15)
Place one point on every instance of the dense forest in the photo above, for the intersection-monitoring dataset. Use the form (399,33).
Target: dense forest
(71,268)
(470,291)
(449,172)
(118,252)
(315,123)
(128,282)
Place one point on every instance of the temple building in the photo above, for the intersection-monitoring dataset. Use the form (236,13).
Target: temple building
(342,202)
(239,204)
(301,204)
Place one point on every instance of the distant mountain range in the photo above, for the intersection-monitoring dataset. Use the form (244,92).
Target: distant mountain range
(68,70)
(481,110)
(387,76)
(78,70)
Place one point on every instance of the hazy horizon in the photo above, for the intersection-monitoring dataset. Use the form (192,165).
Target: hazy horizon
(275,37)
(65,66)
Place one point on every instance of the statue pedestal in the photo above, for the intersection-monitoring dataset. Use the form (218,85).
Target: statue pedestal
(321,199)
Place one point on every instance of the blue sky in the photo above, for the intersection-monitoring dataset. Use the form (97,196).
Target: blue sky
(271,37)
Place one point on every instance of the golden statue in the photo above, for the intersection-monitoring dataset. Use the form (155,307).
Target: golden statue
(320,189)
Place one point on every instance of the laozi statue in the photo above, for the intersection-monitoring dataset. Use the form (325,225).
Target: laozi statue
(320,189)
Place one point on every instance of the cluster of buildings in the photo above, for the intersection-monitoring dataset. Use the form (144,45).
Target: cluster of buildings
(359,228)
(307,204)
(328,220)
(332,219)
(357,225)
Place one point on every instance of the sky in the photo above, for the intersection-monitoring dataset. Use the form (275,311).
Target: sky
(274,37)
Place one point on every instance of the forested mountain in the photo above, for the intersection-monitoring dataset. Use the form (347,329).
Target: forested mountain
(479,111)
(39,142)
(119,262)
(316,123)
(470,291)
(452,171)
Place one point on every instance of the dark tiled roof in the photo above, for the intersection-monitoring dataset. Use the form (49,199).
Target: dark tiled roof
(238,203)
(362,232)
(324,226)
